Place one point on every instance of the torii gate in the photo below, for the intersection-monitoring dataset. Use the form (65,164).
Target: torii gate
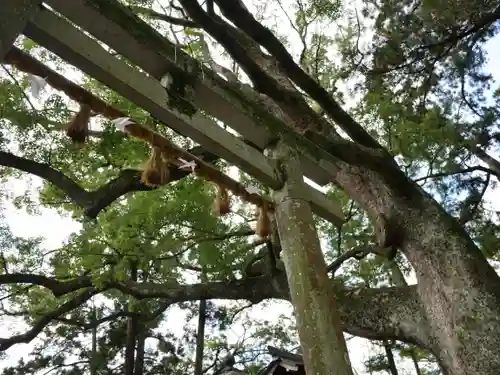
(294,201)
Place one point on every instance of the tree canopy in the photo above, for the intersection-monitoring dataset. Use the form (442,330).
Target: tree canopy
(402,94)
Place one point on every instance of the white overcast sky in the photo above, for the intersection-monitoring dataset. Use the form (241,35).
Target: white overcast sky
(55,229)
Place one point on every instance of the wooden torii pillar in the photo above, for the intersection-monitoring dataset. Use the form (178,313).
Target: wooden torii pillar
(323,345)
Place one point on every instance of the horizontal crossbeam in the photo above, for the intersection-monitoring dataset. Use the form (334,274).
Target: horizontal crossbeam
(116,26)
(72,45)
(14,16)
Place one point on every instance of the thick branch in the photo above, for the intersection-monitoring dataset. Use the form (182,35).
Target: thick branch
(242,18)
(58,288)
(357,253)
(163,17)
(94,323)
(127,181)
(71,188)
(383,313)
(390,313)
(305,120)
(94,201)
(6,343)
(491,162)
(130,180)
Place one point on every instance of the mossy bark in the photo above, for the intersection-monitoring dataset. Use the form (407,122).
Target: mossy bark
(459,290)
(323,344)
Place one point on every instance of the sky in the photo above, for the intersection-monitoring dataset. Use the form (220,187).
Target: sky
(56,229)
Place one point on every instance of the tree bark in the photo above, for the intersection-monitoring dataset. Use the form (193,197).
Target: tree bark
(200,335)
(139,357)
(398,279)
(318,322)
(393,370)
(131,332)
(93,358)
(459,290)
(414,359)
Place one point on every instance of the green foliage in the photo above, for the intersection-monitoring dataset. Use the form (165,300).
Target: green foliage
(377,363)
(418,85)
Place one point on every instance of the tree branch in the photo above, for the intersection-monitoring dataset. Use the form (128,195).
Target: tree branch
(491,162)
(307,126)
(354,253)
(460,171)
(58,288)
(237,13)
(95,323)
(383,313)
(163,17)
(71,188)
(45,320)
(95,201)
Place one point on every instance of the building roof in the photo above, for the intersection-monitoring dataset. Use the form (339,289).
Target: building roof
(283,362)
(283,354)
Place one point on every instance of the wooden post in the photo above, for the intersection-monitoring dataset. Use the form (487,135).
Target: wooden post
(318,323)
(14,16)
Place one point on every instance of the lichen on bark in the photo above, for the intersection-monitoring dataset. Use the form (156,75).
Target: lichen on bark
(318,321)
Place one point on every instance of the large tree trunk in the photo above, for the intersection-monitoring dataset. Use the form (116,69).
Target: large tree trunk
(459,290)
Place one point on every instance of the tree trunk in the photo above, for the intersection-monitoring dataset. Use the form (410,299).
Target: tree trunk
(141,335)
(200,337)
(139,356)
(93,358)
(131,332)
(393,370)
(460,292)
(415,363)
(458,288)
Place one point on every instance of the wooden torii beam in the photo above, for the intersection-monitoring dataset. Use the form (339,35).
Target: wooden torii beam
(72,45)
(117,26)
(14,16)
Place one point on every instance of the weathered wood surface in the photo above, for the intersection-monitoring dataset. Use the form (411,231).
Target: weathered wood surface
(14,16)
(75,47)
(116,26)
(318,320)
